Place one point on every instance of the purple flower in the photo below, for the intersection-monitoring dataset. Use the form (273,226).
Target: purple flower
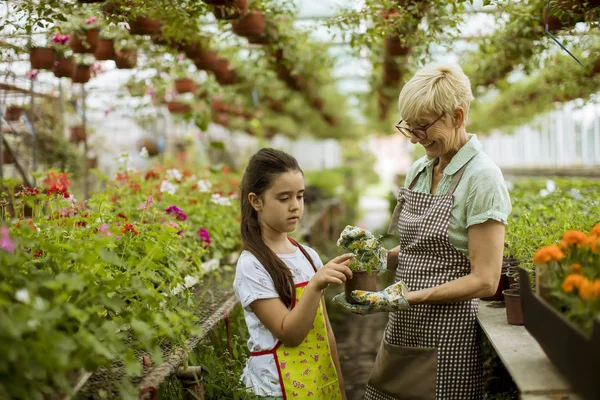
(181,216)
(147,204)
(6,242)
(173,210)
(204,236)
(91,20)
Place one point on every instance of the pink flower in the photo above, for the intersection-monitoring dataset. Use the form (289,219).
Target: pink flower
(32,74)
(181,57)
(105,230)
(204,236)
(91,20)
(6,242)
(60,39)
(151,92)
(147,204)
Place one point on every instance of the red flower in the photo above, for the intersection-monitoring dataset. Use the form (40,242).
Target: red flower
(122,176)
(121,215)
(152,175)
(135,187)
(38,253)
(80,224)
(58,190)
(59,180)
(129,228)
(226,169)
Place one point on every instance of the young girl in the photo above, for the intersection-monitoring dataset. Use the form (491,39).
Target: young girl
(280,283)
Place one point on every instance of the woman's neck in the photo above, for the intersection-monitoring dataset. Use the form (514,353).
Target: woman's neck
(445,159)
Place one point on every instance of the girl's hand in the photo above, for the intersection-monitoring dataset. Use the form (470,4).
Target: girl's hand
(335,271)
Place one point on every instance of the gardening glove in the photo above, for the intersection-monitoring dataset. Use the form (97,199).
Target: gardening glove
(392,298)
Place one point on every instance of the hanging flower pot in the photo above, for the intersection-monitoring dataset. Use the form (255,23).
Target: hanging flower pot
(6,157)
(105,50)
(394,48)
(42,57)
(224,74)
(185,85)
(144,26)
(233,11)
(126,59)
(177,107)
(13,113)
(206,60)
(63,68)
(79,45)
(77,134)
(391,73)
(253,23)
(81,73)
(92,36)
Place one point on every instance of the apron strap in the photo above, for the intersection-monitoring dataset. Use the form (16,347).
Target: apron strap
(456,179)
(396,214)
(415,179)
(310,260)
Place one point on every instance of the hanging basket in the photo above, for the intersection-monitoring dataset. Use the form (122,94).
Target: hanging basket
(77,134)
(126,59)
(63,68)
(394,48)
(42,57)
(92,36)
(253,23)
(13,113)
(233,11)
(391,73)
(144,26)
(177,107)
(105,50)
(78,45)
(207,61)
(224,74)
(81,73)
(185,85)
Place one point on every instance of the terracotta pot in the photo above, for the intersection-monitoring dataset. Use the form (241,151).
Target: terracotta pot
(77,134)
(224,74)
(81,74)
(206,60)
(361,280)
(177,107)
(63,68)
(253,23)
(13,113)
(150,145)
(92,162)
(144,26)
(391,73)
(92,36)
(233,11)
(6,158)
(42,57)
(218,106)
(185,85)
(105,50)
(514,312)
(394,48)
(78,45)
(126,59)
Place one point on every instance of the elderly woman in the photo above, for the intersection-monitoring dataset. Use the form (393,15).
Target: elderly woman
(451,217)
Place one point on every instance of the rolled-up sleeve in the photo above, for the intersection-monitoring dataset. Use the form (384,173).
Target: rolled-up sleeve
(488,198)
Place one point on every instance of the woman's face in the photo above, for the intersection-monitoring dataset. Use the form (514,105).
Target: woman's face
(439,135)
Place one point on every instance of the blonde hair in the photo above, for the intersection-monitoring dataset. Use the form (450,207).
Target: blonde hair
(435,90)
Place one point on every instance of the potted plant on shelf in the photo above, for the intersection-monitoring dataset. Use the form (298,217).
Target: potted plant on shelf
(565,317)
(126,54)
(86,33)
(370,260)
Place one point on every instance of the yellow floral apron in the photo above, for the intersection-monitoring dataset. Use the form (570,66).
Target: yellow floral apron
(306,371)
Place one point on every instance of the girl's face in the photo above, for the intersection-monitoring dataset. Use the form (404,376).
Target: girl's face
(282,205)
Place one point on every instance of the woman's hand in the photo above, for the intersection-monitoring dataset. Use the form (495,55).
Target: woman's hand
(335,271)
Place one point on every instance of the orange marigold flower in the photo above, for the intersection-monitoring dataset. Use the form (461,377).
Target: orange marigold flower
(595,230)
(574,238)
(596,288)
(547,254)
(586,289)
(572,281)
(576,267)
(594,241)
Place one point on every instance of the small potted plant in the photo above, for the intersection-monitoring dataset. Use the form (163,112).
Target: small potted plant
(370,259)
(126,54)
(86,35)
(180,71)
(64,64)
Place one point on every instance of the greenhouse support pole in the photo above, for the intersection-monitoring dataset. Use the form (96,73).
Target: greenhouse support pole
(34,150)
(86,183)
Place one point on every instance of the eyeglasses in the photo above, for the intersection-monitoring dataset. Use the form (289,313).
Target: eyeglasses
(420,132)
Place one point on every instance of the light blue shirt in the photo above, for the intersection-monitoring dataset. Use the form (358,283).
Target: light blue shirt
(481,194)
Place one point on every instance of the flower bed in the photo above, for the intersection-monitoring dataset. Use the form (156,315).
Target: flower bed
(88,285)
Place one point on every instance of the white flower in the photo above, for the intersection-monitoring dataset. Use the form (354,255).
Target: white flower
(204,185)
(144,153)
(550,186)
(174,175)
(168,187)
(122,160)
(22,295)
(218,199)
(544,193)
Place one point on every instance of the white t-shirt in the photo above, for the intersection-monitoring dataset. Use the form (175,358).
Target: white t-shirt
(253,282)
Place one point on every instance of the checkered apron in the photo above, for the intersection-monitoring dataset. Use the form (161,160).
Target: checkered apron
(428,259)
